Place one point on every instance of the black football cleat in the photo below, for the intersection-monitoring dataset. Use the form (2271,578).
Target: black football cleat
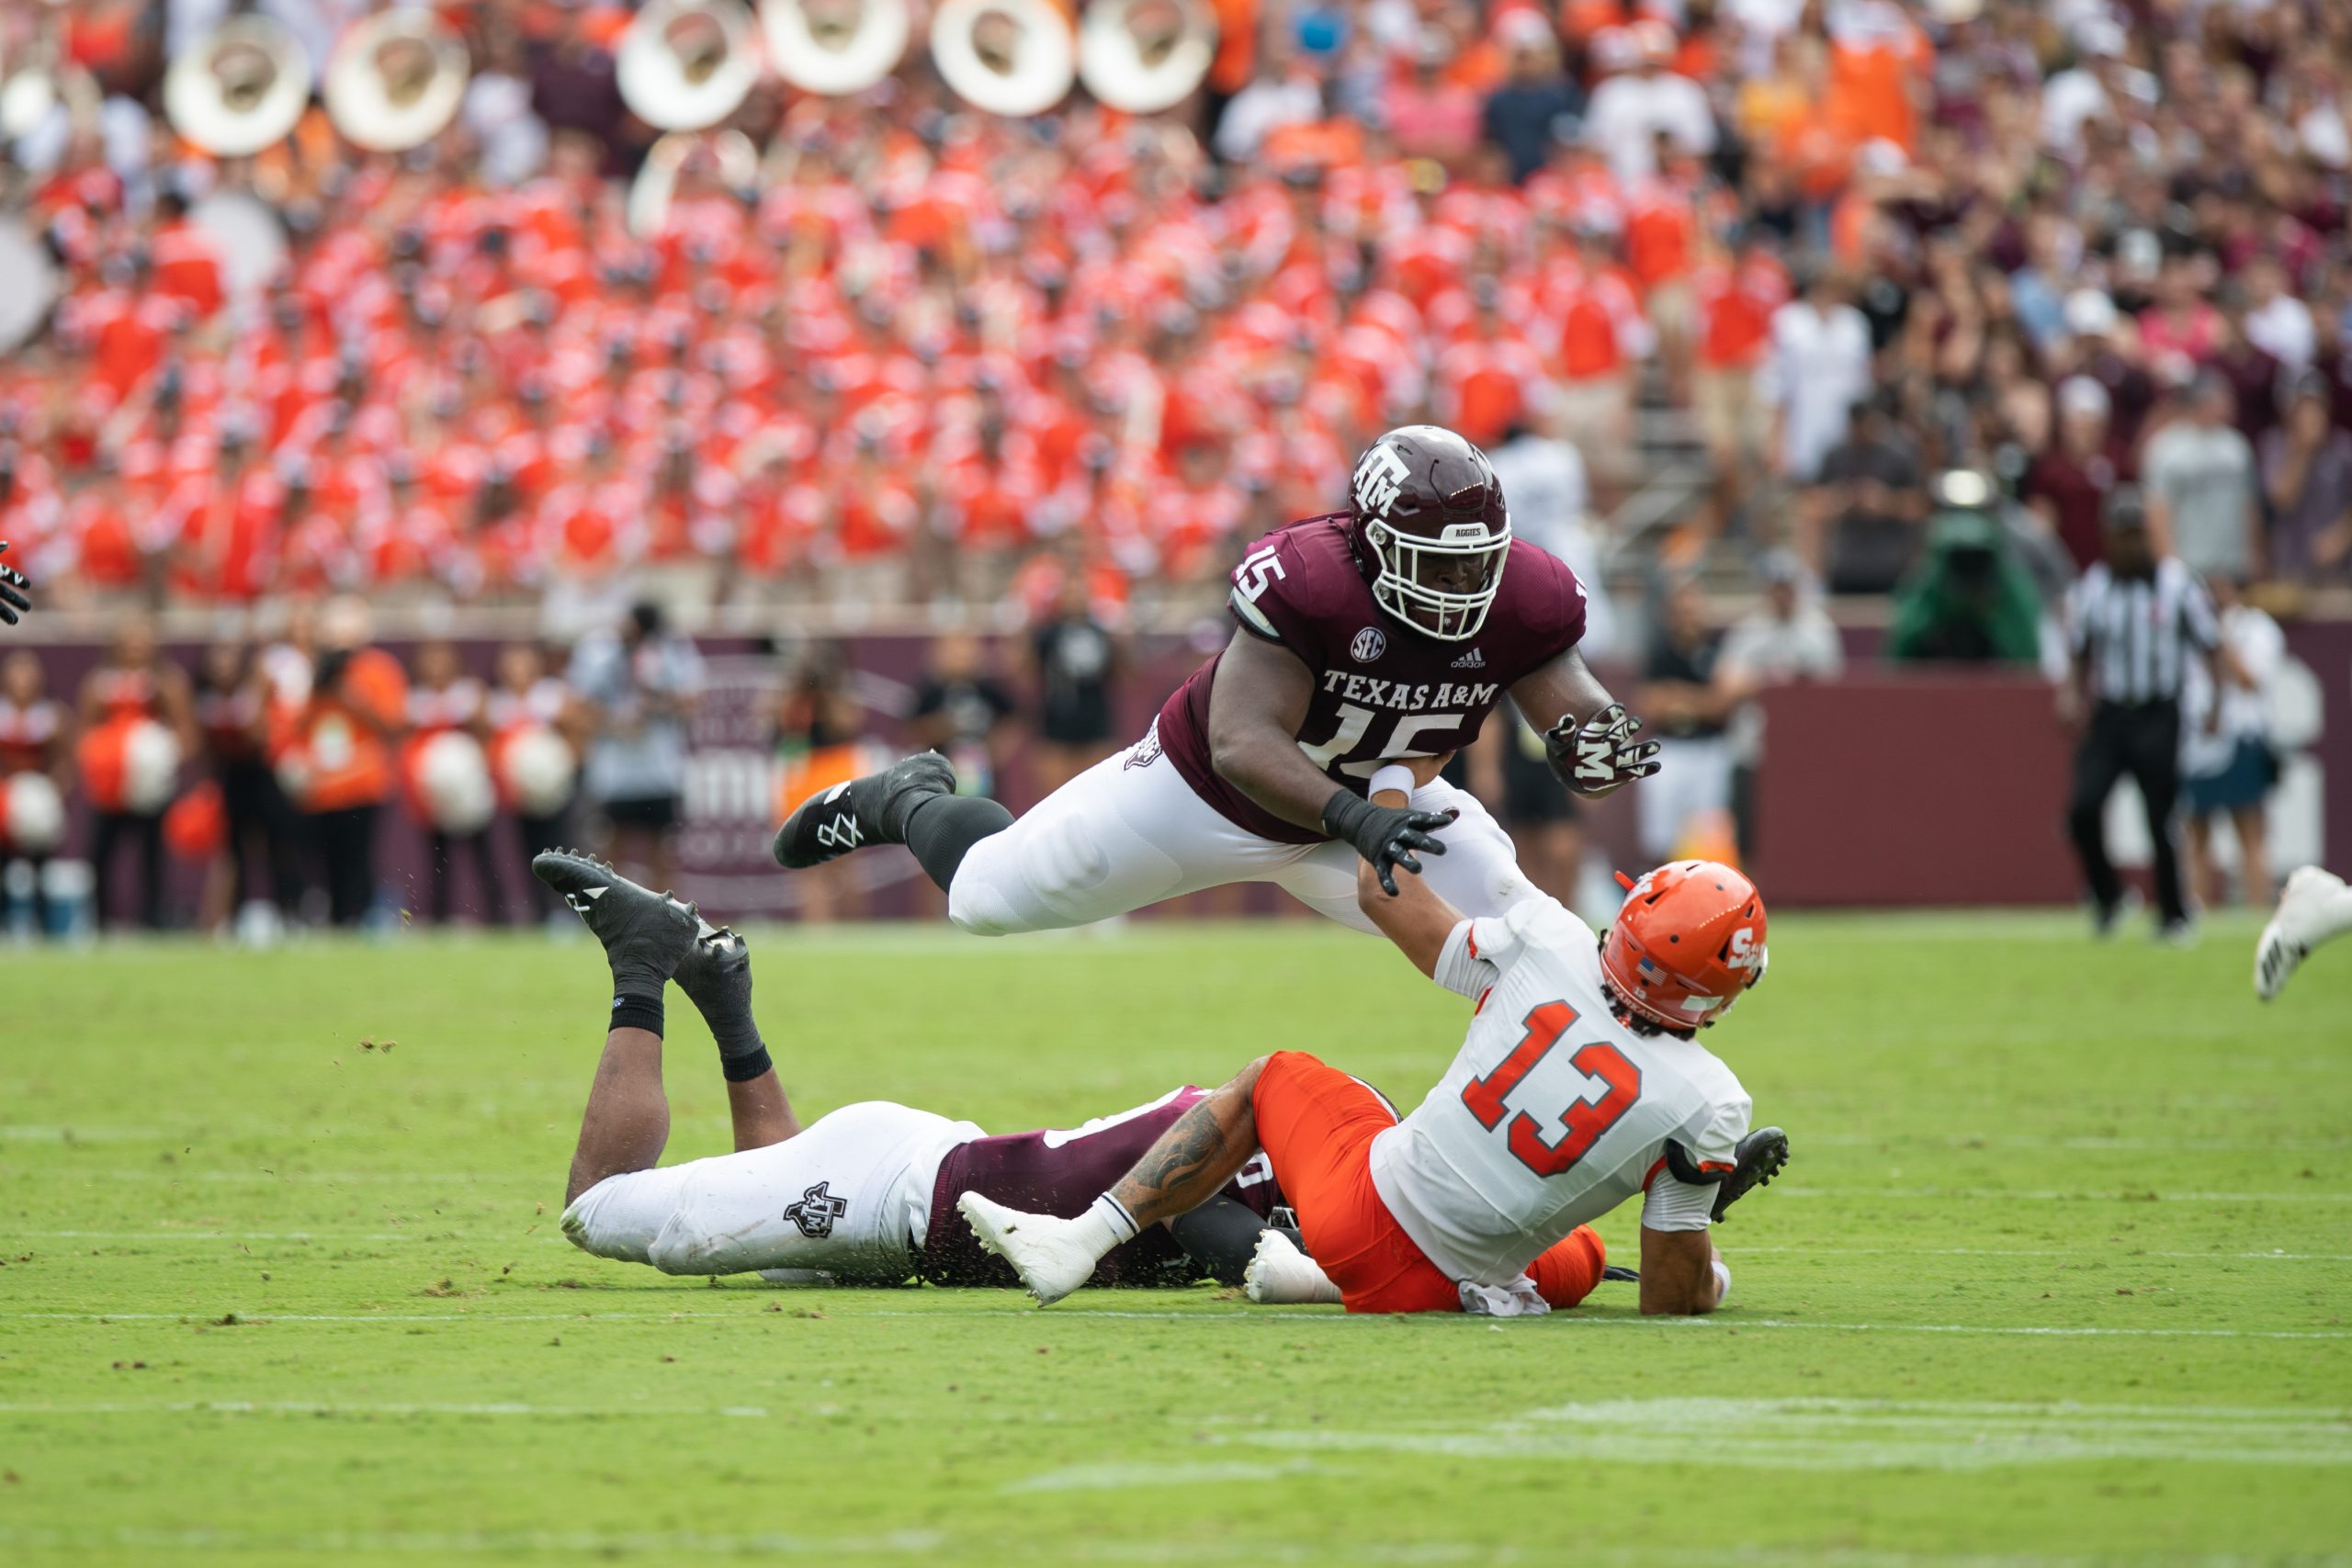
(871,810)
(1760,1157)
(715,974)
(647,935)
(1624,1276)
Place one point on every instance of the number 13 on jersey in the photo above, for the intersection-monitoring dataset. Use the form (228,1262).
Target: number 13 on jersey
(1606,1070)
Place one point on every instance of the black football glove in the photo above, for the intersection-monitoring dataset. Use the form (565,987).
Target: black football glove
(1596,756)
(13,585)
(1386,836)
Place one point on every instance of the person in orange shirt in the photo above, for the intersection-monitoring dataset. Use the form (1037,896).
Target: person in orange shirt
(186,263)
(1661,221)
(1879,63)
(341,760)
(1603,335)
(135,686)
(1735,296)
(1483,377)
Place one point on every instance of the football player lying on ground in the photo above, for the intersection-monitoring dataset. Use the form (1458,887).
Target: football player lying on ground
(2314,909)
(863,1195)
(1582,1083)
(1376,635)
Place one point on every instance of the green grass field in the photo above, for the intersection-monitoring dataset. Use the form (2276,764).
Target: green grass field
(2058,1274)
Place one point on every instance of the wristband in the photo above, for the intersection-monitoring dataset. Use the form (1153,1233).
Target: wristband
(1723,1282)
(1396,776)
(1343,811)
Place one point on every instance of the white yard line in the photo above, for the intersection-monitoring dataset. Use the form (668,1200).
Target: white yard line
(339,1177)
(2006,1141)
(1123,1477)
(337,1408)
(1861,1434)
(1571,1323)
(933,1546)
(25,1133)
(2113,1252)
(2103,1252)
(2002,1195)
(7,1235)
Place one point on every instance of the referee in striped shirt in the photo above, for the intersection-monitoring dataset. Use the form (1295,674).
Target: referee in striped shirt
(2133,621)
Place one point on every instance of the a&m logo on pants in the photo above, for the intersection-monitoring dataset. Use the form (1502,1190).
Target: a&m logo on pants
(816,1211)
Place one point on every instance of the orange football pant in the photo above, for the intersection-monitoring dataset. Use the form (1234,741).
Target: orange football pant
(1316,1124)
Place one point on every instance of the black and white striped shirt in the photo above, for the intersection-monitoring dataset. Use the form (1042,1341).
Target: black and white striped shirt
(2134,634)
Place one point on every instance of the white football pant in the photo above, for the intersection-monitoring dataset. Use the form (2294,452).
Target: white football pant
(850,1196)
(1129,831)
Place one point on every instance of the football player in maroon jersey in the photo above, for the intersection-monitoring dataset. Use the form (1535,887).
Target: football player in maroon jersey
(1365,640)
(865,1193)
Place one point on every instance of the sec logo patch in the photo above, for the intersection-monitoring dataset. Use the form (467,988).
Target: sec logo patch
(1370,643)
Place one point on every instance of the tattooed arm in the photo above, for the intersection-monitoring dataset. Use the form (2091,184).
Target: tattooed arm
(1194,1158)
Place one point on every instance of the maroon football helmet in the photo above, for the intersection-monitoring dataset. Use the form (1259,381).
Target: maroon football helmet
(1430,516)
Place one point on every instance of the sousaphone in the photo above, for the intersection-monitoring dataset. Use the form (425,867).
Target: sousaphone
(687,64)
(397,80)
(727,155)
(1016,58)
(28,282)
(28,87)
(834,47)
(242,86)
(1143,56)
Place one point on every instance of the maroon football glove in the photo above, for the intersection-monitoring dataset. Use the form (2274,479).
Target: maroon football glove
(1596,756)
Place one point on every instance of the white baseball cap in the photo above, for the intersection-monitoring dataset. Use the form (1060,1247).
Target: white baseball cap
(2080,394)
(2090,313)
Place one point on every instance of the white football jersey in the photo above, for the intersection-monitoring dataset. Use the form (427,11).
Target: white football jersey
(1553,1113)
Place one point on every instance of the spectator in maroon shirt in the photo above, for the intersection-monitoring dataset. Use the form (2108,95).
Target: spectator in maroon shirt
(2097,351)
(2307,476)
(2069,483)
(2255,375)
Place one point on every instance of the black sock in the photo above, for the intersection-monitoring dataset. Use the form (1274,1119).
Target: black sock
(943,829)
(746,1066)
(637,1009)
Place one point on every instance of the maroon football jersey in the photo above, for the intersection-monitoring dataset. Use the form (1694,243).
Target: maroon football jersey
(1061,1173)
(1384,690)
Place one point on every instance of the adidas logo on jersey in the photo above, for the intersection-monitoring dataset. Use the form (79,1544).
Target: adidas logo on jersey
(841,833)
(1473,659)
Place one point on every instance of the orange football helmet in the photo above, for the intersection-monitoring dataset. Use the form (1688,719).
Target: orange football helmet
(1688,941)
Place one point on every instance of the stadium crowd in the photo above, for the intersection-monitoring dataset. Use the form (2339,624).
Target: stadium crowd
(927,355)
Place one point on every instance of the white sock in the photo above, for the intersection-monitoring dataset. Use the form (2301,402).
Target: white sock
(1105,1224)
(2338,918)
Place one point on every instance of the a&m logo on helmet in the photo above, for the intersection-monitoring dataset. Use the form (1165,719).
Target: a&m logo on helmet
(1380,473)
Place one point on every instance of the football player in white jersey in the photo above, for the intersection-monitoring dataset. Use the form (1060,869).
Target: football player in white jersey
(1580,1085)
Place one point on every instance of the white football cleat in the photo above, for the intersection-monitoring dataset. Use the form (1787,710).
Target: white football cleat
(1048,1254)
(1281,1275)
(2314,905)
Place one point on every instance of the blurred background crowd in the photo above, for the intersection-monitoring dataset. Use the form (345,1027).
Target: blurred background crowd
(1726,286)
